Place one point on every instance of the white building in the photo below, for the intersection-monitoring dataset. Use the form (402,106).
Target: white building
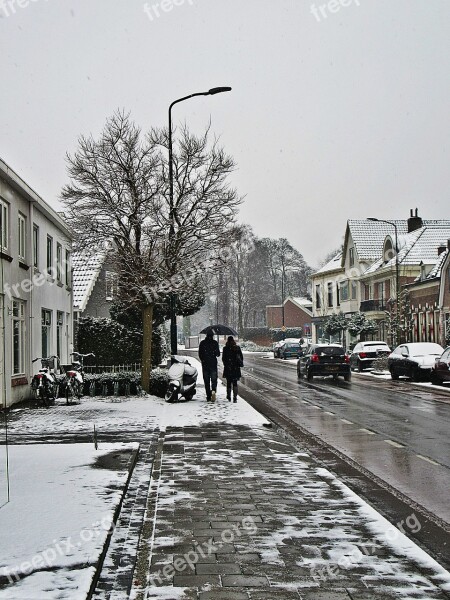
(36,315)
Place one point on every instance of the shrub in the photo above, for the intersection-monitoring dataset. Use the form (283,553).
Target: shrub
(252,347)
(380,364)
(158,382)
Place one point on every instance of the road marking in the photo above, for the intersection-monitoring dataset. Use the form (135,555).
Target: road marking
(395,444)
(327,412)
(347,422)
(368,431)
(315,406)
(428,460)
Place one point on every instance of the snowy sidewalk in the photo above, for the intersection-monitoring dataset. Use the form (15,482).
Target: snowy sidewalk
(221,507)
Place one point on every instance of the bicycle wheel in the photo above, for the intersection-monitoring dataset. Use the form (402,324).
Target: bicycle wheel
(70,392)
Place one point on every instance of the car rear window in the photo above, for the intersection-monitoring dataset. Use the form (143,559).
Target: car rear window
(329,350)
(293,346)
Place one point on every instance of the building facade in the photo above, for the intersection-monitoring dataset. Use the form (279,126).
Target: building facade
(35,285)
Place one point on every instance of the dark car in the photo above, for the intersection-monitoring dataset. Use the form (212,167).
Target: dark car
(324,359)
(414,360)
(440,371)
(290,350)
(365,353)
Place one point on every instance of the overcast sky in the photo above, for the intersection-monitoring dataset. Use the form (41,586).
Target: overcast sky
(333,115)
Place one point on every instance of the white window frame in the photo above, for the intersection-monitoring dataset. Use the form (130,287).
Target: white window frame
(18,320)
(4,226)
(59,262)
(35,246)
(22,237)
(46,321)
(49,256)
(67,268)
(59,332)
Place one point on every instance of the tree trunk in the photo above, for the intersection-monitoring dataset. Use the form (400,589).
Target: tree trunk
(147,318)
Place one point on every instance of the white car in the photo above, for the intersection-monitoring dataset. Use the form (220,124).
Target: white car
(414,360)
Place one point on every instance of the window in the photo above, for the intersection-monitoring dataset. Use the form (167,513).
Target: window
(46,332)
(351,256)
(318,302)
(4,225)
(338,295)
(59,262)
(49,253)
(18,337)
(22,237)
(67,268)
(353,290)
(344,290)
(330,294)
(35,246)
(59,332)
(111,284)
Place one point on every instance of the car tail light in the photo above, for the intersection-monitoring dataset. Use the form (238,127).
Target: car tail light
(39,376)
(362,355)
(314,358)
(347,358)
(71,373)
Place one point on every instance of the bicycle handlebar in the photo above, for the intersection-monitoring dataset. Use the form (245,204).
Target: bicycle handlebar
(45,358)
(82,355)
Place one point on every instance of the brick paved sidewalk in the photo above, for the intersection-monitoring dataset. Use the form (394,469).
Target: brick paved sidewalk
(236,513)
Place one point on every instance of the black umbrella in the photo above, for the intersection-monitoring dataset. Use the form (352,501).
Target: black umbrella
(219,330)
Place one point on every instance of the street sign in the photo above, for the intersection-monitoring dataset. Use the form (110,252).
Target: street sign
(283,329)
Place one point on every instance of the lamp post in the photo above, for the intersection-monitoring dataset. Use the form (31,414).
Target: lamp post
(397,275)
(173,299)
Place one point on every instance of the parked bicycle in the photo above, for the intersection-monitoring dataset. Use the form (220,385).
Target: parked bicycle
(74,382)
(44,384)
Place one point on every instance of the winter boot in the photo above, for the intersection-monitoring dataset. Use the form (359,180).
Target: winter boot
(229,392)
(213,396)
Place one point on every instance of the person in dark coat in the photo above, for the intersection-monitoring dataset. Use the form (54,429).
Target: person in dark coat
(233,361)
(208,351)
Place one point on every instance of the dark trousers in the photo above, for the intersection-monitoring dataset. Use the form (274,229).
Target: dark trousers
(230,383)
(210,379)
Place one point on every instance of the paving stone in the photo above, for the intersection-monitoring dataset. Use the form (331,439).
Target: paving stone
(223,595)
(244,581)
(196,580)
(331,594)
(218,568)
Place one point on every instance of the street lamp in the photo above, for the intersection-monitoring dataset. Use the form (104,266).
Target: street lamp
(173,312)
(397,275)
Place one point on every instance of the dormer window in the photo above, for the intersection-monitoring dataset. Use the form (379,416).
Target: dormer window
(388,250)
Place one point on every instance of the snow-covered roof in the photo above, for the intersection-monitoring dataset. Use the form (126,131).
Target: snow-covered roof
(86,269)
(332,265)
(435,272)
(420,246)
(368,236)
(302,303)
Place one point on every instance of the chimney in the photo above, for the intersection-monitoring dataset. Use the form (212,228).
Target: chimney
(414,221)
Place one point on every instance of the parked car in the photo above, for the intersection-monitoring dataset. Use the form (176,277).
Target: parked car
(440,371)
(290,350)
(414,360)
(324,359)
(365,353)
(276,348)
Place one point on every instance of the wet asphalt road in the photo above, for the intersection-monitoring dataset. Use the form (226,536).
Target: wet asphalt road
(395,430)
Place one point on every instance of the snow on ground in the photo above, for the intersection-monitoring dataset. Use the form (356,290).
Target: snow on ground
(112,413)
(53,529)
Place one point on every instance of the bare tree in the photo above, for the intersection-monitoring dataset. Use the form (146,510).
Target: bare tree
(119,194)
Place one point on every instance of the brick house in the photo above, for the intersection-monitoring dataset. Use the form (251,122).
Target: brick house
(297,313)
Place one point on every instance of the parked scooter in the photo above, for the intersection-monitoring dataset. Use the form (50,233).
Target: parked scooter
(44,383)
(182,379)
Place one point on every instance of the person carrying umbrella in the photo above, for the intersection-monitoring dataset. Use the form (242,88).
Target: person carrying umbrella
(233,361)
(208,351)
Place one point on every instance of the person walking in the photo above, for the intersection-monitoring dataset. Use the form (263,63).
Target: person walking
(208,351)
(233,361)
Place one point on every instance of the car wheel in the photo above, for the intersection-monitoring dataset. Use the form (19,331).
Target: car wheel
(415,375)
(435,379)
(347,377)
(299,374)
(394,375)
(309,375)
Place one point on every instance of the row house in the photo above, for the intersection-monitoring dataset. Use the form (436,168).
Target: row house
(363,277)
(35,285)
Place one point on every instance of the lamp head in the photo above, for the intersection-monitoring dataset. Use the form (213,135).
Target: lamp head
(218,90)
